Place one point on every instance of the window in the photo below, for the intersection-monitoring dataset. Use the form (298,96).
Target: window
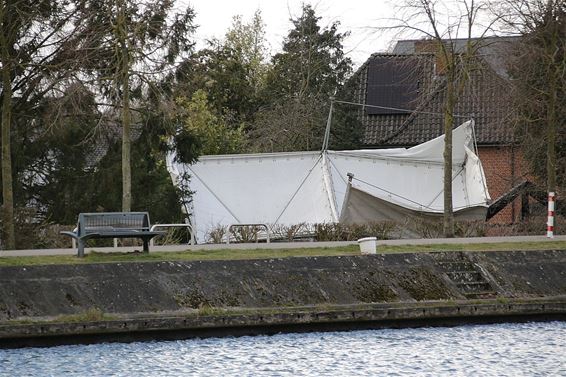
(393,82)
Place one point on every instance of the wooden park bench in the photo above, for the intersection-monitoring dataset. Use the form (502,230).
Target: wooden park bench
(112,225)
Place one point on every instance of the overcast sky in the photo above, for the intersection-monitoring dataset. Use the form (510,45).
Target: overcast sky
(356,16)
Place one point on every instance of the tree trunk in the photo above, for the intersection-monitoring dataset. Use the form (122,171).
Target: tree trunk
(7,191)
(126,148)
(551,144)
(555,75)
(124,83)
(448,224)
(551,153)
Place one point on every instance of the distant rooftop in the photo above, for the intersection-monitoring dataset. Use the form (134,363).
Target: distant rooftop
(492,49)
(409,78)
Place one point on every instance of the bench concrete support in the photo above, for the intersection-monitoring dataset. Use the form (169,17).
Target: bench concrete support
(80,248)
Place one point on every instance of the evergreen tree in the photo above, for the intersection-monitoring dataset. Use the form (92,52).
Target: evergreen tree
(248,42)
(230,72)
(209,129)
(309,70)
(134,44)
(62,59)
(40,51)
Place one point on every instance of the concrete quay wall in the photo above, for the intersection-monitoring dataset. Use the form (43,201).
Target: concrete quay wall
(240,296)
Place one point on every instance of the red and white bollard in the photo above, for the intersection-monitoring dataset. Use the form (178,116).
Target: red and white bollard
(550,222)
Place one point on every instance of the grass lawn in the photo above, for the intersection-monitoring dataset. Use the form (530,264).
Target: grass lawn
(231,254)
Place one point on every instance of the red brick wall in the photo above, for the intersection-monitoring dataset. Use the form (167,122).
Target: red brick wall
(504,168)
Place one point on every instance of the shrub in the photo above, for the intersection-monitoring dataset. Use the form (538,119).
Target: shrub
(289,232)
(216,234)
(351,232)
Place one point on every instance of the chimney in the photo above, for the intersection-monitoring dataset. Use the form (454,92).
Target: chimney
(431,46)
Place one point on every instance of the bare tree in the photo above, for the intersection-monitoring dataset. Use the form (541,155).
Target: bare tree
(538,69)
(456,31)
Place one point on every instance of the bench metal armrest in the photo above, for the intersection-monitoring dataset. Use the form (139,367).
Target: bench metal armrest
(90,235)
(179,225)
(70,234)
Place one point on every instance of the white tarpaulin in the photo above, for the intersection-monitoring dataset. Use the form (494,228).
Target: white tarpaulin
(311,187)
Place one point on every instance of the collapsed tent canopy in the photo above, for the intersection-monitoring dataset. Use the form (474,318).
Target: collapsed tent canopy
(313,187)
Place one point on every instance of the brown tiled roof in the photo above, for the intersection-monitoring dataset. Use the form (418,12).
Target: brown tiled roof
(485,99)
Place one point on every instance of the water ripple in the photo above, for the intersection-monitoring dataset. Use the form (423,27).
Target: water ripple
(528,349)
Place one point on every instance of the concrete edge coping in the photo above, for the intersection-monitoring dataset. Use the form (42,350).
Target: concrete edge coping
(283,245)
(374,316)
(262,311)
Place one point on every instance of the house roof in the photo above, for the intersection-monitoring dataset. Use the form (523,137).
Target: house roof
(484,99)
(491,49)
(107,134)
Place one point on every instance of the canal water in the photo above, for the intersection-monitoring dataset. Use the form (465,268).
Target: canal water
(526,349)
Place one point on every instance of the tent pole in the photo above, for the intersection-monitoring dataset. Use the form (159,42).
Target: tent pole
(328,123)
(325,169)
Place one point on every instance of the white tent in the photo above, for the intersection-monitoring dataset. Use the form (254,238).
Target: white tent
(313,187)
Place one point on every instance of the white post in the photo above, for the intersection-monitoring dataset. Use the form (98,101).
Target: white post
(550,222)
(326,175)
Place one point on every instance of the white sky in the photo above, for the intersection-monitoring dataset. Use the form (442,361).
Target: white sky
(356,16)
